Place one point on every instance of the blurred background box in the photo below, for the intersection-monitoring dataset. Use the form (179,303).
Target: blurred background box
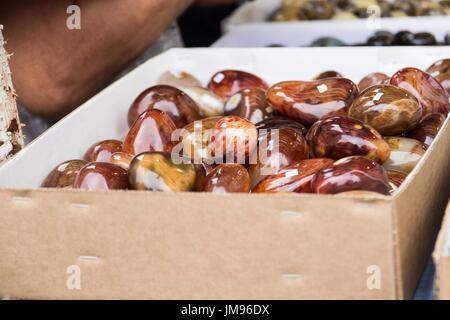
(442,259)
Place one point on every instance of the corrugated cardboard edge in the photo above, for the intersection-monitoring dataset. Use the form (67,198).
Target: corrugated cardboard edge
(11,139)
(441,258)
(414,232)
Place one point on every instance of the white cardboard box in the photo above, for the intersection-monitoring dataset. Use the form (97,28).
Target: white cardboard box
(147,245)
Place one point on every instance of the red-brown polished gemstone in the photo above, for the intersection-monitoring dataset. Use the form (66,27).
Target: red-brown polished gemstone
(121,159)
(195,140)
(440,70)
(64,174)
(277,147)
(250,104)
(352,173)
(396,179)
(389,110)
(174,102)
(234,139)
(371,80)
(427,129)
(151,132)
(276,122)
(102,151)
(293,178)
(227,178)
(219,139)
(430,93)
(310,101)
(228,82)
(201,171)
(341,137)
(328,74)
(101,176)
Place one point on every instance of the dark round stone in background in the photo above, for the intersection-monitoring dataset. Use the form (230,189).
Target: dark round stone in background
(447,39)
(403,38)
(381,38)
(424,39)
(327,42)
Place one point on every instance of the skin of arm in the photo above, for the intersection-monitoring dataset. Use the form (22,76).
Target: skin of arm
(56,69)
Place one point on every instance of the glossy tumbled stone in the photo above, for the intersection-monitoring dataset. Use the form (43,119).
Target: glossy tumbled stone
(327,42)
(276,122)
(381,38)
(310,101)
(406,6)
(228,82)
(233,139)
(277,147)
(316,10)
(440,70)
(349,174)
(423,39)
(101,176)
(63,176)
(404,38)
(345,5)
(218,140)
(405,154)
(209,104)
(341,137)
(371,80)
(174,102)
(427,129)
(396,179)
(227,178)
(388,109)
(430,93)
(250,104)
(293,178)
(429,8)
(102,151)
(195,139)
(152,131)
(407,38)
(177,78)
(328,74)
(201,171)
(121,159)
(156,171)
